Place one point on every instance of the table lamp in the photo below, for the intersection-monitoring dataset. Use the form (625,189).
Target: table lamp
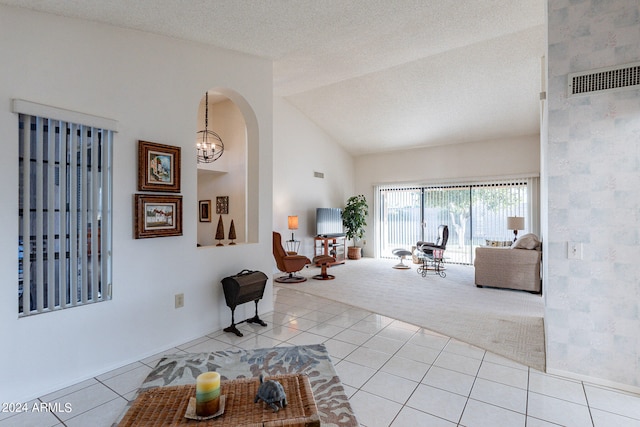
(515,223)
(292,245)
(293,224)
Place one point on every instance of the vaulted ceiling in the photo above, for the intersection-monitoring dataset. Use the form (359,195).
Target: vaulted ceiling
(376,75)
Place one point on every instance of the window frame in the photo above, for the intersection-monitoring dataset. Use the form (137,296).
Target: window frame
(414,205)
(65,167)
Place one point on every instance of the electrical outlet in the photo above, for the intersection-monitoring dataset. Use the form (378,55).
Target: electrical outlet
(574,250)
(179,300)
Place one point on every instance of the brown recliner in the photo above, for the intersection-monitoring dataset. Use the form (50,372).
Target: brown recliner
(287,263)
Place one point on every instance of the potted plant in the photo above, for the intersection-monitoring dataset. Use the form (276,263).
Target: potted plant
(354,219)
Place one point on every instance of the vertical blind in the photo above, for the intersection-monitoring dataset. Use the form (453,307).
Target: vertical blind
(64,207)
(474,212)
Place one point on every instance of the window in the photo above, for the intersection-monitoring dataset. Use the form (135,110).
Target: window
(64,246)
(474,212)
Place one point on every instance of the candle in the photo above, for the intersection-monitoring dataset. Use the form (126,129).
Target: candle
(207,394)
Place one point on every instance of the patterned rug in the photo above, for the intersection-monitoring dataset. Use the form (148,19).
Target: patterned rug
(313,360)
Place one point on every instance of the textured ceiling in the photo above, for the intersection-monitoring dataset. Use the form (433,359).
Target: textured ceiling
(376,75)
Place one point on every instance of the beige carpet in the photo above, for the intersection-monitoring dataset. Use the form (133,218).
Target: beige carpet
(505,322)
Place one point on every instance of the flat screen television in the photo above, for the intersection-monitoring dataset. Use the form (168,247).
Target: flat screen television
(329,222)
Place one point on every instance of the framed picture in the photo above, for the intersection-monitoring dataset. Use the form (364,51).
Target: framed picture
(222,205)
(205,210)
(157,216)
(158,167)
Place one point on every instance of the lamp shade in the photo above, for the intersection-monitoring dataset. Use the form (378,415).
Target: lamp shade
(515,223)
(293,222)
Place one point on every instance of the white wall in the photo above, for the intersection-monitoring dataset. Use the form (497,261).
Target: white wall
(152,86)
(225,176)
(488,159)
(592,170)
(300,149)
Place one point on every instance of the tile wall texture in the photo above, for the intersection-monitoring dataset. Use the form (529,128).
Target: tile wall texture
(592,169)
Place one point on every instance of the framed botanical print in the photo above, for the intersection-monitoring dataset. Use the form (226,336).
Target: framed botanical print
(204,209)
(158,167)
(157,216)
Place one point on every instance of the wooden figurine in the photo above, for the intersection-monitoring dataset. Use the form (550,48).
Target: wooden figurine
(220,232)
(232,233)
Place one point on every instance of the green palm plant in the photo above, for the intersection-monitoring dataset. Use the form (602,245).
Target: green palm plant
(354,217)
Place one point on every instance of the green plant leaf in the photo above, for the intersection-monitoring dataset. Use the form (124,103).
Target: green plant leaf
(354,217)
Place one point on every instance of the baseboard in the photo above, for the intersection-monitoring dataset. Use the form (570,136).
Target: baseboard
(594,381)
(71,381)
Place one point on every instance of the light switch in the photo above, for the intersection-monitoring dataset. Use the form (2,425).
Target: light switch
(574,250)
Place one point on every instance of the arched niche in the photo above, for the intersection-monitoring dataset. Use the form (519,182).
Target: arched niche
(235,174)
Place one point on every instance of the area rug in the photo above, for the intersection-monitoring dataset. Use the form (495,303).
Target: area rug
(505,322)
(312,360)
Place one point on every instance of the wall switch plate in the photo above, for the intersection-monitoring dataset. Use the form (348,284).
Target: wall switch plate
(179,300)
(574,250)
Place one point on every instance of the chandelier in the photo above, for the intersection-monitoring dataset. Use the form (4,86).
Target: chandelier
(208,143)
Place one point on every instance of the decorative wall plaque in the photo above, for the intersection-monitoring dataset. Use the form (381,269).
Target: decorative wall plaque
(222,204)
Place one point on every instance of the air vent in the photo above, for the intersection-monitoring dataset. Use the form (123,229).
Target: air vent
(609,79)
(318,174)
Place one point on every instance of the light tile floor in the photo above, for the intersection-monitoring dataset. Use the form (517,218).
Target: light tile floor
(395,374)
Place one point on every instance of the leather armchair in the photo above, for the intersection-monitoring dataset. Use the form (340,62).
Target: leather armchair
(288,263)
(439,244)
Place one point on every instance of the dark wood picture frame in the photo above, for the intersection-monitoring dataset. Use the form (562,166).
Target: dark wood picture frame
(157,216)
(158,167)
(204,210)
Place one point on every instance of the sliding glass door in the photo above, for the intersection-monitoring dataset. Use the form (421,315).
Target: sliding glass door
(449,205)
(400,218)
(473,212)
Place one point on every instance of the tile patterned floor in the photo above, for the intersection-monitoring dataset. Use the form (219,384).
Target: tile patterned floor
(395,374)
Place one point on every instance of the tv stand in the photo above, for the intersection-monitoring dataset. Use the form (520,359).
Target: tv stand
(331,246)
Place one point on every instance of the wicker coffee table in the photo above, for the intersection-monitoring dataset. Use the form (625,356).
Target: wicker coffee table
(166,406)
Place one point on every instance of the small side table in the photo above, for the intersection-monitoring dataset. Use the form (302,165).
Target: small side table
(292,246)
(433,262)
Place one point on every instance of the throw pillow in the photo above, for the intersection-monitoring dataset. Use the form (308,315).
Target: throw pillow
(498,243)
(527,241)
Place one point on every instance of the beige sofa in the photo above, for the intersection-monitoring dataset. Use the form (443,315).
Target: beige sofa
(510,268)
